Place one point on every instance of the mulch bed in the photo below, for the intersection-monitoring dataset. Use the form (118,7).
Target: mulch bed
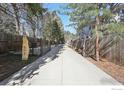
(11,63)
(116,71)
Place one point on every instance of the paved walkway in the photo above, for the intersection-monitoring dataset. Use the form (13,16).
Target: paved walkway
(70,68)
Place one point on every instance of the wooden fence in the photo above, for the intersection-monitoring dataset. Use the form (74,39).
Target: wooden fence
(9,42)
(111,48)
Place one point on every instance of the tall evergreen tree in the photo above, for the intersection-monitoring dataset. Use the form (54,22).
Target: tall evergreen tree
(87,14)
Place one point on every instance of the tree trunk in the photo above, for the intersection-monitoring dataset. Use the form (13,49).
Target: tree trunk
(84,42)
(33,29)
(34,33)
(16,17)
(97,39)
(37,26)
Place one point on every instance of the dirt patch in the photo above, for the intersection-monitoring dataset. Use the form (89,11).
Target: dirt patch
(116,71)
(12,63)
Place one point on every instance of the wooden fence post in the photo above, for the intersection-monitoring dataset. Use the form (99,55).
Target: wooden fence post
(41,46)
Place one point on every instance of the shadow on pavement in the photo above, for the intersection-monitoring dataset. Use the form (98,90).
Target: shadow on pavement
(30,70)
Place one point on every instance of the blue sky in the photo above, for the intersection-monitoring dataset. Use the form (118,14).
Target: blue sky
(64,18)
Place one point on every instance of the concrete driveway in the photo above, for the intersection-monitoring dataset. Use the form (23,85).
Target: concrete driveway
(70,68)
